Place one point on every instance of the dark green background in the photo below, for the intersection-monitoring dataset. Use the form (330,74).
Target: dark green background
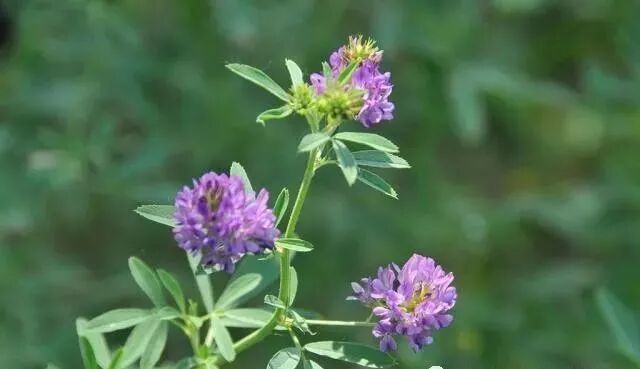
(521,119)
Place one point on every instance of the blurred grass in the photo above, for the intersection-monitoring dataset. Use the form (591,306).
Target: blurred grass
(521,119)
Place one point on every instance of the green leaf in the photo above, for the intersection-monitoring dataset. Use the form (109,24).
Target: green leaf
(287,358)
(347,72)
(312,141)
(203,282)
(162,214)
(166,313)
(327,72)
(117,319)
(171,284)
(259,78)
(274,301)
(367,356)
(300,322)
(276,113)
(116,361)
(138,341)
(246,317)
(97,341)
(147,280)
(294,244)
(251,264)
(622,324)
(346,161)
(293,286)
(237,288)
(295,72)
(88,357)
(369,139)
(379,159)
(153,352)
(282,202)
(310,364)
(376,182)
(223,339)
(238,170)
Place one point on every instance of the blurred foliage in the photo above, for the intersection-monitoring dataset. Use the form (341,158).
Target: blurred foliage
(521,119)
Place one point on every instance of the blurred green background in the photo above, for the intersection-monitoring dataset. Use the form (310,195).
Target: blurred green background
(521,119)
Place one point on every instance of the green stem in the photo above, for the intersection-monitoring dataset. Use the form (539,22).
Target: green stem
(285,269)
(285,257)
(339,323)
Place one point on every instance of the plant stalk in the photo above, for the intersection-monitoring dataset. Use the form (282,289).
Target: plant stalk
(285,265)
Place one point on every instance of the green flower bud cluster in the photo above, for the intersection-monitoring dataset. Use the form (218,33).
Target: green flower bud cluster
(339,103)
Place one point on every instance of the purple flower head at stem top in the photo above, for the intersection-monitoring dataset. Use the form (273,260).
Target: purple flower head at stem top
(375,85)
(411,301)
(217,218)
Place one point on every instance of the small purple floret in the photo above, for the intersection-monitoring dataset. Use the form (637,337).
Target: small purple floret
(413,301)
(367,77)
(217,218)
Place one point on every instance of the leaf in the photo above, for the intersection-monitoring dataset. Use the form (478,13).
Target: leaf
(347,72)
(327,72)
(117,319)
(138,341)
(293,286)
(246,317)
(300,322)
(312,141)
(238,288)
(203,282)
(379,159)
(287,358)
(252,264)
(367,356)
(173,286)
(223,339)
(259,78)
(147,280)
(376,182)
(621,322)
(162,214)
(346,161)
(369,139)
(274,301)
(294,72)
(166,313)
(116,360)
(88,357)
(97,341)
(282,202)
(238,170)
(153,352)
(276,113)
(294,244)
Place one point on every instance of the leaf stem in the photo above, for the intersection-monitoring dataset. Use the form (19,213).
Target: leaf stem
(339,323)
(285,260)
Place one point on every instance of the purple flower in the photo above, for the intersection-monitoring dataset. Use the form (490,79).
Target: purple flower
(217,218)
(413,301)
(375,85)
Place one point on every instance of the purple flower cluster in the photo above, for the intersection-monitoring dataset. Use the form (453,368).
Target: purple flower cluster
(219,219)
(375,85)
(413,301)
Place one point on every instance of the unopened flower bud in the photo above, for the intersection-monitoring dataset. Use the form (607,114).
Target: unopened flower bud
(303,98)
(339,103)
